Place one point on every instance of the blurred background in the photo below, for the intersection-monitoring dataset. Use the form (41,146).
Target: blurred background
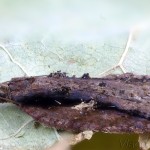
(74,36)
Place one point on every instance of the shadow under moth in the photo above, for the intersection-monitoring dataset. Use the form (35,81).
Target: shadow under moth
(115,103)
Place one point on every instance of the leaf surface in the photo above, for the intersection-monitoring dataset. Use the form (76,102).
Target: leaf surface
(39,37)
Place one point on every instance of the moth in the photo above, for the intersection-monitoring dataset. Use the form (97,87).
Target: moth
(114,103)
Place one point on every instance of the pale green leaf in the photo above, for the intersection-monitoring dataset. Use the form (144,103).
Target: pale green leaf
(39,37)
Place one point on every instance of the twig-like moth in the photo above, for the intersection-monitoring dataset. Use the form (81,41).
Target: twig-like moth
(115,103)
